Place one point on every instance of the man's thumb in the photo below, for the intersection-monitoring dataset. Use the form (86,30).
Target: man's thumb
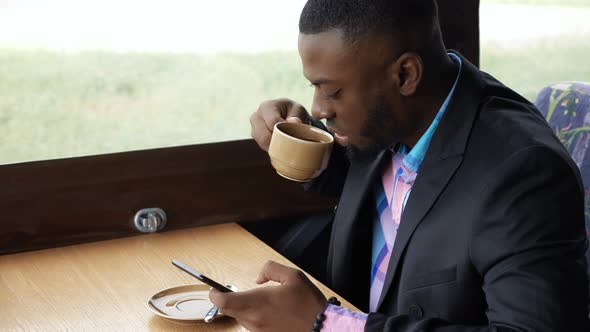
(294,119)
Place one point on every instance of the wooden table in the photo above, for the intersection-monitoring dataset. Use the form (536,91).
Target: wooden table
(103,286)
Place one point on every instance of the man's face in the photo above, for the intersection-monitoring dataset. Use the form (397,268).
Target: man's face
(355,89)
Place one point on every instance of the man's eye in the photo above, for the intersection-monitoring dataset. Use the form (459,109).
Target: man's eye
(334,95)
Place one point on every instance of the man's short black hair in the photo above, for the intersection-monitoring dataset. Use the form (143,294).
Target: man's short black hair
(411,22)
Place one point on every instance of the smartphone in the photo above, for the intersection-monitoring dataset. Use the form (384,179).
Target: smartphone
(201,277)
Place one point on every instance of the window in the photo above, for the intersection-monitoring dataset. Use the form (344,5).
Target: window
(529,44)
(84,77)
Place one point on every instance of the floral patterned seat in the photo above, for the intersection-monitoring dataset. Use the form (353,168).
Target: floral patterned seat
(566,107)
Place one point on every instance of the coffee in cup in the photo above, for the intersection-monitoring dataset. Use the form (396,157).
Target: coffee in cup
(299,152)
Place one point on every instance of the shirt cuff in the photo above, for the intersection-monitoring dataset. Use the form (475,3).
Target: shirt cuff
(340,319)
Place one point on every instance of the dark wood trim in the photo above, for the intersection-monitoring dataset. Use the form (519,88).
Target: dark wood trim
(459,22)
(60,202)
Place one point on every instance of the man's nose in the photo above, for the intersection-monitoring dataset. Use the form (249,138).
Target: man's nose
(320,110)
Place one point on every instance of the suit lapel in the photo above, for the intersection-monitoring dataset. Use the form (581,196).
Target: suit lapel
(442,160)
(425,191)
(362,174)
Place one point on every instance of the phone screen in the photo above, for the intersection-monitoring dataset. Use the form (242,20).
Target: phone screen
(201,277)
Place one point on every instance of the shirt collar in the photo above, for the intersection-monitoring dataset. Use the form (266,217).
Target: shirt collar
(413,158)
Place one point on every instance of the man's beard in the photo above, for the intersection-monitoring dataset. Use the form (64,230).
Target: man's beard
(366,153)
(375,129)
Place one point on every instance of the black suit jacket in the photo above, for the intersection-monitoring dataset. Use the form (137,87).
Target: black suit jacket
(492,237)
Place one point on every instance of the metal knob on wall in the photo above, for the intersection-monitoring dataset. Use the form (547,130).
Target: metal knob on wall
(150,220)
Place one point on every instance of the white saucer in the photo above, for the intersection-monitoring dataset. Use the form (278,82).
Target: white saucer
(188,303)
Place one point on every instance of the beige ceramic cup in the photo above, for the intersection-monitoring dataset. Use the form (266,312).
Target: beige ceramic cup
(299,152)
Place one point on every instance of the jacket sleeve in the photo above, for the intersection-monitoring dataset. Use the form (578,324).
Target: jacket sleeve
(331,181)
(528,244)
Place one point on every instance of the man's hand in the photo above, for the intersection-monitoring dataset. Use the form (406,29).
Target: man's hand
(290,306)
(271,112)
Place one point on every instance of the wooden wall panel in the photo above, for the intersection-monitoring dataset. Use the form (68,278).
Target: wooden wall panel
(59,202)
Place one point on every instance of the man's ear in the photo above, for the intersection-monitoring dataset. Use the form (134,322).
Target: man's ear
(410,73)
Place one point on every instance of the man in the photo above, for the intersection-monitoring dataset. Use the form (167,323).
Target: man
(459,209)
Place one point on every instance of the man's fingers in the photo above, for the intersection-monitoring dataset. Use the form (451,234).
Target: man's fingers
(271,112)
(260,132)
(298,111)
(229,303)
(273,271)
(278,110)
(272,116)
(261,279)
(239,305)
(294,119)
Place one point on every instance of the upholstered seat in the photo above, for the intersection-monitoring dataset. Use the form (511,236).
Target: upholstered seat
(566,107)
